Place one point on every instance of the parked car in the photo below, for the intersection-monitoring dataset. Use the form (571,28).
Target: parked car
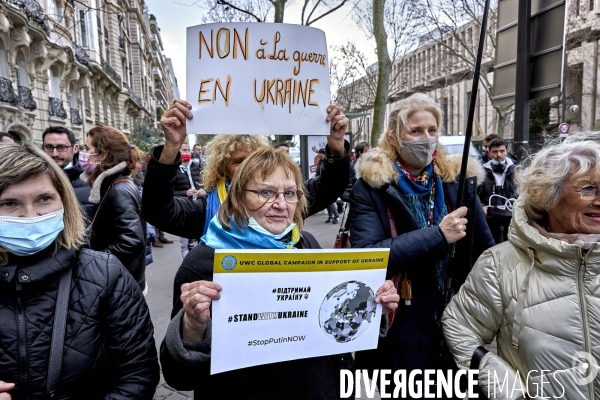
(456,144)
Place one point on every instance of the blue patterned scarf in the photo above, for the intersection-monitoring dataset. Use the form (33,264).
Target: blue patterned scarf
(218,237)
(424,196)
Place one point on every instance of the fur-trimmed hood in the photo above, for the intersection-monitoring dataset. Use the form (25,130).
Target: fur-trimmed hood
(376,169)
(95,193)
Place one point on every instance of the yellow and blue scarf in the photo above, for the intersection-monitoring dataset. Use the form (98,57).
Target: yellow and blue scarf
(215,198)
(219,237)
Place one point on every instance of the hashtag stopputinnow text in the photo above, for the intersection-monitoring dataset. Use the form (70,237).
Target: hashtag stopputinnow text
(280,340)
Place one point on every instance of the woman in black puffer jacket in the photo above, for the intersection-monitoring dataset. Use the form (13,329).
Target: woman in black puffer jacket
(108,349)
(118,227)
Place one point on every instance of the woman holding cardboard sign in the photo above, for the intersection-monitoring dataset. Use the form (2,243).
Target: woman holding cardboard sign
(264,210)
(187,218)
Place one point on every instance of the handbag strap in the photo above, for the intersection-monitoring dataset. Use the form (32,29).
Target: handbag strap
(392,223)
(103,197)
(478,354)
(396,278)
(58,332)
(346,225)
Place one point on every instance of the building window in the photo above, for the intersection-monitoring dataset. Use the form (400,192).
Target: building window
(21,71)
(591,5)
(83,32)
(54,10)
(3,63)
(54,82)
(86,98)
(72,97)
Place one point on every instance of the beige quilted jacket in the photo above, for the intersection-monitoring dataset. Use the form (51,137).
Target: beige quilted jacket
(540,297)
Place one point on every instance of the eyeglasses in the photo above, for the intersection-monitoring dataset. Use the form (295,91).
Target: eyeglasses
(269,196)
(50,149)
(587,193)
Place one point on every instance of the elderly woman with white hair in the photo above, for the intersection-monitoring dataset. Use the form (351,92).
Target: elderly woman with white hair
(539,293)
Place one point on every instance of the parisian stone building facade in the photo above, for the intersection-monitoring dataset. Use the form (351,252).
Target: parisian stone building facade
(80,64)
(437,67)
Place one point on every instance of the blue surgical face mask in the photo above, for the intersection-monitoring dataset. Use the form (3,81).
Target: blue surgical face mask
(494,162)
(28,236)
(254,225)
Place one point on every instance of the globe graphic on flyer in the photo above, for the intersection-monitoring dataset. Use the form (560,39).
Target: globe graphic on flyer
(347,311)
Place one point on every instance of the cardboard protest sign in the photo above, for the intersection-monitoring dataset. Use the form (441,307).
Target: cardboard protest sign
(257,78)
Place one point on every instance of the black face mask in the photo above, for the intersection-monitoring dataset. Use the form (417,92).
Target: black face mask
(498,168)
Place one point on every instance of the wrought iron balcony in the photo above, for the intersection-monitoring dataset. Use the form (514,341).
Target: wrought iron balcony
(110,72)
(81,56)
(26,99)
(33,11)
(56,109)
(7,94)
(75,117)
(122,42)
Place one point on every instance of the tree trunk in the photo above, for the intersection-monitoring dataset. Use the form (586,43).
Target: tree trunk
(502,112)
(279,10)
(383,71)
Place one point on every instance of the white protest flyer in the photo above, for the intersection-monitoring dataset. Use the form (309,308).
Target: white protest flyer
(257,78)
(312,158)
(280,305)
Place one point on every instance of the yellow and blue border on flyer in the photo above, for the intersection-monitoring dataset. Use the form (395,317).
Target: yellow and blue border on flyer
(281,305)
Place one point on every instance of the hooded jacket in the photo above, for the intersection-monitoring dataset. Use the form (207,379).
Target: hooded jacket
(413,339)
(540,298)
(109,350)
(82,190)
(488,185)
(118,227)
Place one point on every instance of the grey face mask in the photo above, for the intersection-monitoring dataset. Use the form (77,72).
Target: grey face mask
(418,153)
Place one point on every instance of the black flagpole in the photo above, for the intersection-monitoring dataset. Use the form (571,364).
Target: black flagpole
(472,103)
(468,135)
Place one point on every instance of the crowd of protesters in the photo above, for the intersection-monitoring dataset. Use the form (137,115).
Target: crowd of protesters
(77,226)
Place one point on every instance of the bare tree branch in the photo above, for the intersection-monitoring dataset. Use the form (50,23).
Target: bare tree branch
(228,4)
(308,22)
(303,11)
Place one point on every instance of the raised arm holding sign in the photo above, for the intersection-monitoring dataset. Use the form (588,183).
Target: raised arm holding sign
(187,218)
(174,124)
